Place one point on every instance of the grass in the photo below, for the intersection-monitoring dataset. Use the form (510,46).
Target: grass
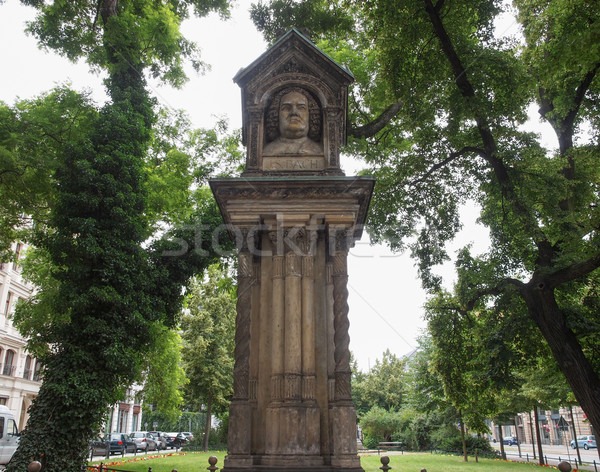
(198,462)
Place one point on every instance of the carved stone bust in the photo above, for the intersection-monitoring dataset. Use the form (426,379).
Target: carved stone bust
(294,100)
(293,125)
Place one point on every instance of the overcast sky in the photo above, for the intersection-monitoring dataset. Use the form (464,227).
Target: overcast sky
(385,295)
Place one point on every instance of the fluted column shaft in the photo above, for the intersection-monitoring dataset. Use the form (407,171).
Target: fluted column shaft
(277,328)
(293,326)
(308,328)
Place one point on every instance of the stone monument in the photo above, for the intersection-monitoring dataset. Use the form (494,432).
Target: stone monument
(294,216)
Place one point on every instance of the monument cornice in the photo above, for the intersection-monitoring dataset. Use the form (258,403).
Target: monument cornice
(340,201)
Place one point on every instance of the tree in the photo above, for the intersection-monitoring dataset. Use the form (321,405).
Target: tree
(464,93)
(208,328)
(112,291)
(33,133)
(383,386)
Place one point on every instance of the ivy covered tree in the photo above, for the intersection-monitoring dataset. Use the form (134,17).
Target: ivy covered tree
(111,292)
(455,95)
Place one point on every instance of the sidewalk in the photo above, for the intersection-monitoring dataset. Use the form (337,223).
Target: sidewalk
(553,455)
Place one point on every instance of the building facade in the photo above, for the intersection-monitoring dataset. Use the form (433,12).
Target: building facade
(555,426)
(19,371)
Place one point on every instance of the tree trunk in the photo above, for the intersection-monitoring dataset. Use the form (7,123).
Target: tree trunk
(208,422)
(532,434)
(517,434)
(501,439)
(462,436)
(565,347)
(537,433)
(575,433)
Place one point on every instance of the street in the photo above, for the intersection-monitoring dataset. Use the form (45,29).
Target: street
(553,454)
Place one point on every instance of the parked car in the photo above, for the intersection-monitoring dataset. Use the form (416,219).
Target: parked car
(113,443)
(120,443)
(161,439)
(510,441)
(189,436)
(585,442)
(144,441)
(175,440)
(9,435)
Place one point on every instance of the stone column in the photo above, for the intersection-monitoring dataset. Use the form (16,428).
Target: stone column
(277,344)
(344,452)
(293,327)
(240,410)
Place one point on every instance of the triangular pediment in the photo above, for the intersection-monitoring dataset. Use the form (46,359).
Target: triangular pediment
(294,52)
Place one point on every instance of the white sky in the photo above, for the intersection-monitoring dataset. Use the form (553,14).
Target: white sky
(385,295)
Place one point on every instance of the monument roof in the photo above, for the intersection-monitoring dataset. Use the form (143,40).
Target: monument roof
(246,72)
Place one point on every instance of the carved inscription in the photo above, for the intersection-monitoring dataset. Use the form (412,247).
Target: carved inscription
(293,163)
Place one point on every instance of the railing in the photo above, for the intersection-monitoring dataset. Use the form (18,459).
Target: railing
(8,369)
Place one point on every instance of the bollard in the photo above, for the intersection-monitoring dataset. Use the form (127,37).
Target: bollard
(212,460)
(34,466)
(385,460)
(564,467)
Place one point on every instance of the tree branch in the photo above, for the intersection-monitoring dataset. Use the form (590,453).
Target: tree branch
(493,290)
(573,272)
(375,126)
(450,158)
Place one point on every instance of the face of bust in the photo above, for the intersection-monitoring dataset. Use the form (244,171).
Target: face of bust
(293,116)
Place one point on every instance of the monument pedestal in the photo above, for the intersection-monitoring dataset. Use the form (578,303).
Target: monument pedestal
(294,217)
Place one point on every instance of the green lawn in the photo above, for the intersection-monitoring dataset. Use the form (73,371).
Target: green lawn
(198,462)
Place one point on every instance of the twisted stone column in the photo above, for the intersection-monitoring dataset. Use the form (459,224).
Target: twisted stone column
(343,421)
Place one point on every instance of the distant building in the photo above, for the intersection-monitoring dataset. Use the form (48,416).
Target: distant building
(555,426)
(19,371)
(20,378)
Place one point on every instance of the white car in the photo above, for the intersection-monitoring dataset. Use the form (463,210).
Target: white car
(9,435)
(144,441)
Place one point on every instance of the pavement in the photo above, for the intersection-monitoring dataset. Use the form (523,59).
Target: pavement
(553,455)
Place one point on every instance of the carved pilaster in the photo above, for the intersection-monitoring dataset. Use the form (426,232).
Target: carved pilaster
(241,368)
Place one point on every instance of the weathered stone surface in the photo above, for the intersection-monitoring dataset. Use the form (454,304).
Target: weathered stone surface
(294,217)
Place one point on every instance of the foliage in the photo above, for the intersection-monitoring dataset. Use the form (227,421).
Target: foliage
(33,133)
(461,94)
(208,327)
(109,289)
(378,425)
(164,378)
(382,386)
(453,443)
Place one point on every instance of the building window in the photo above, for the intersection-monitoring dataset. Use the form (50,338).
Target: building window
(121,427)
(4,401)
(37,374)
(17,256)
(8,302)
(9,368)
(27,371)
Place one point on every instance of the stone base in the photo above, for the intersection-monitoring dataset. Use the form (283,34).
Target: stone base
(294,433)
(292,468)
